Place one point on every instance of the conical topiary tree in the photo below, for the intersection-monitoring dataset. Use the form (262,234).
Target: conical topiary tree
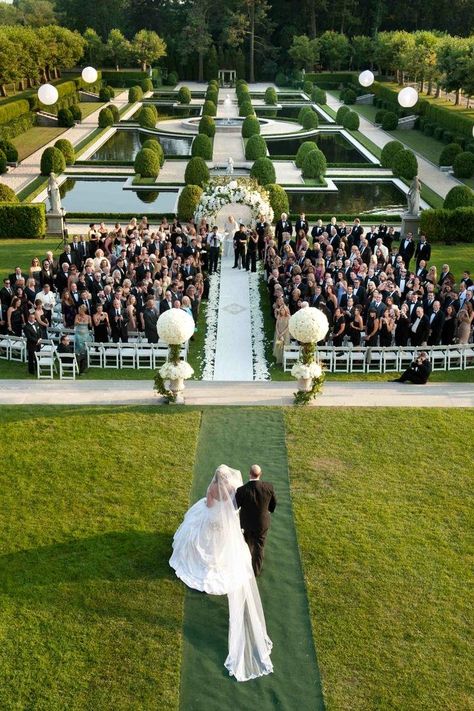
(197,172)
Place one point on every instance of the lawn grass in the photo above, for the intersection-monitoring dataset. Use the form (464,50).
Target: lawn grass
(383,508)
(90,613)
(88,107)
(35,138)
(427,146)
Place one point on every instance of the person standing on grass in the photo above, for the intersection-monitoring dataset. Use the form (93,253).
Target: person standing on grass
(32,332)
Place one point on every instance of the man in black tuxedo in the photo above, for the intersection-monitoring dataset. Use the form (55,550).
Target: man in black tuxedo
(240,247)
(422,251)
(6,293)
(118,322)
(436,319)
(418,372)
(407,248)
(302,224)
(32,334)
(256,500)
(283,225)
(167,303)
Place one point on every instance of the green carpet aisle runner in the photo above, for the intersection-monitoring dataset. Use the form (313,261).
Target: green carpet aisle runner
(240,438)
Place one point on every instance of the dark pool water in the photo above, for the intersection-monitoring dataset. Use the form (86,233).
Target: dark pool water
(290,112)
(124,145)
(335,147)
(351,198)
(101,196)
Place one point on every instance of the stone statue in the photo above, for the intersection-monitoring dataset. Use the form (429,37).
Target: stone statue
(413,196)
(54,195)
(230,166)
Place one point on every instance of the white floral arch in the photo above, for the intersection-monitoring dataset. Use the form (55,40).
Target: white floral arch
(221,192)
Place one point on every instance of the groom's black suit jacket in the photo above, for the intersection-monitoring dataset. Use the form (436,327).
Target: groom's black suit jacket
(256,500)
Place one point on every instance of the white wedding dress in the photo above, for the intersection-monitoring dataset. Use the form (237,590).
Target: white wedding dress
(210,554)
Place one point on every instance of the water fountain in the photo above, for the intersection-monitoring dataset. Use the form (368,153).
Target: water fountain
(228,108)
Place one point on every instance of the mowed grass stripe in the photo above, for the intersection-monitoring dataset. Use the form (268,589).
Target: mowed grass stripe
(239,438)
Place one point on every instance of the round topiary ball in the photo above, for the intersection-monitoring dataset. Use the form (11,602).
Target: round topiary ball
(3,162)
(310,120)
(341,112)
(146,85)
(463,166)
(308,87)
(319,96)
(405,165)
(115,112)
(303,151)
(148,117)
(202,146)
(76,112)
(188,201)
(379,116)
(209,108)
(106,93)
(184,95)
(10,151)
(197,172)
(389,151)
(256,147)
(246,109)
(7,194)
(449,153)
(350,96)
(351,121)
(67,149)
(207,125)
(278,198)
(65,118)
(147,163)
(154,145)
(459,196)
(314,165)
(52,161)
(250,126)
(389,121)
(106,118)
(212,95)
(302,113)
(271,97)
(135,93)
(263,171)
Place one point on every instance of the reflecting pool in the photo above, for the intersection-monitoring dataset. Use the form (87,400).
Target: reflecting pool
(124,145)
(335,147)
(106,195)
(351,198)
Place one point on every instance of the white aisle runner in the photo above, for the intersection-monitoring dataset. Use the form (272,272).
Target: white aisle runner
(233,358)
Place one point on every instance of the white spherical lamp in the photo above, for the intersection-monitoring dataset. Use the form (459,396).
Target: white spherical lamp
(48,94)
(175,326)
(408,97)
(366,78)
(89,74)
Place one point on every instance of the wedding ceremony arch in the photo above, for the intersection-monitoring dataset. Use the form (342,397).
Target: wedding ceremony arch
(221,192)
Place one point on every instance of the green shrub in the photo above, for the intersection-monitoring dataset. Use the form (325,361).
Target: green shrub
(52,161)
(389,121)
(271,96)
(3,162)
(147,163)
(172,79)
(209,108)
(106,118)
(250,126)
(106,93)
(449,153)
(463,166)
(341,112)
(319,96)
(308,87)
(13,110)
(351,121)
(302,113)
(314,165)
(447,137)
(202,146)
(154,145)
(148,117)
(438,133)
(123,77)
(303,151)
(115,112)
(263,171)
(281,79)
(207,125)
(449,226)
(349,97)
(188,201)
(310,120)
(67,149)
(212,95)
(380,115)
(22,220)
(405,165)
(135,93)
(246,109)
(7,194)
(197,172)
(65,118)
(459,196)
(278,198)
(184,95)
(256,147)
(76,112)
(428,128)
(146,85)
(10,151)
(389,151)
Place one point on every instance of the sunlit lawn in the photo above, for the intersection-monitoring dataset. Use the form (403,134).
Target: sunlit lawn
(36,137)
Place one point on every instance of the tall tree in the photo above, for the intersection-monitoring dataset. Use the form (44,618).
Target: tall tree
(304,52)
(246,21)
(314,9)
(335,49)
(95,50)
(362,51)
(118,48)
(36,13)
(8,62)
(196,33)
(148,47)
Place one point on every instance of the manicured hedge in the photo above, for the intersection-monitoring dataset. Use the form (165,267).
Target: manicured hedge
(52,161)
(308,87)
(76,112)
(389,121)
(10,151)
(310,120)
(351,121)
(256,147)
(314,165)
(212,95)
(319,96)
(263,171)
(67,149)
(209,108)
(18,125)
(405,165)
(207,125)
(22,220)
(147,163)
(154,145)
(202,146)
(115,112)
(449,153)
(449,119)
(302,113)
(184,95)
(106,118)
(331,80)
(12,110)
(389,151)
(135,93)
(349,97)
(459,196)
(278,199)
(65,118)
(197,172)
(7,194)
(148,116)
(146,85)
(188,201)
(106,93)
(271,96)
(463,166)
(3,162)
(124,78)
(250,126)
(246,109)
(450,226)
(303,151)
(341,112)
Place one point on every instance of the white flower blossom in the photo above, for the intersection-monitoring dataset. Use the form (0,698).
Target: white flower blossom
(172,371)
(311,370)
(175,326)
(308,325)
(210,341)
(260,366)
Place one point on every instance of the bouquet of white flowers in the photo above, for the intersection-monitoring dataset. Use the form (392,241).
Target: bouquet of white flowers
(305,371)
(172,371)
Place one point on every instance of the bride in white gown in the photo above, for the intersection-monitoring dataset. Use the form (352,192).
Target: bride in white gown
(210,554)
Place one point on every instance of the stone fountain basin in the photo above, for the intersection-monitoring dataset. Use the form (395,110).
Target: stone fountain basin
(233,125)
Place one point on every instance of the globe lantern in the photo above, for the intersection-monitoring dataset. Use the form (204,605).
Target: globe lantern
(89,74)
(48,94)
(366,78)
(408,97)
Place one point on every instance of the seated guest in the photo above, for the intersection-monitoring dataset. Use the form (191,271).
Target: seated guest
(417,372)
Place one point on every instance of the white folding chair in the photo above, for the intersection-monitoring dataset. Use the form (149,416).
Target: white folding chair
(17,348)
(291,353)
(341,359)
(4,347)
(455,357)
(160,353)
(406,356)
(127,355)
(325,355)
(68,367)
(438,357)
(390,359)
(45,364)
(111,355)
(95,355)
(468,356)
(373,360)
(144,355)
(357,359)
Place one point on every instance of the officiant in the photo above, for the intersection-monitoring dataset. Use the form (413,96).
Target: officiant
(240,246)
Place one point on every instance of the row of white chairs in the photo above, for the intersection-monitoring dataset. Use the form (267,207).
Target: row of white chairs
(49,362)
(129,355)
(384,360)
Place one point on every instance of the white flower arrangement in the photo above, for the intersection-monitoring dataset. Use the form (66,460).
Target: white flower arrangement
(308,325)
(211,326)
(172,371)
(175,326)
(220,192)
(311,370)
(260,365)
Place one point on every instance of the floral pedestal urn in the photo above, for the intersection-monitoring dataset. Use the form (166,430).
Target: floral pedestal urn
(175,327)
(308,326)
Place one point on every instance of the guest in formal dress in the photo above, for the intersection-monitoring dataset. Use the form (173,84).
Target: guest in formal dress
(282,333)
(82,336)
(101,326)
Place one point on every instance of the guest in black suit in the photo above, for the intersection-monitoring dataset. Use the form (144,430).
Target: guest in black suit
(256,500)
(436,321)
(6,293)
(150,319)
(118,317)
(418,372)
(167,302)
(422,251)
(32,332)
(407,249)
(302,224)
(420,328)
(283,225)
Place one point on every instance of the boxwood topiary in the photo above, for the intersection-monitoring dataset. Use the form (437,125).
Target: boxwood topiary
(154,145)
(302,113)
(10,151)
(250,126)
(319,96)
(76,112)
(106,118)
(303,151)
(115,112)
(308,87)
(212,95)
(147,163)
(278,198)
(463,166)
(7,194)
(148,117)
(3,162)
(459,196)
(65,118)
(449,153)
(256,147)
(135,93)
(310,120)
(350,96)
(380,115)
(209,108)
(314,164)
(351,121)
(281,79)
(202,146)
(197,172)
(271,96)
(52,161)
(341,112)
(405,165)
(146,85)
(246,109)
(207,125)
(188,201)
(263,171)
(184,95)
(390,121)
(106,93)
(67,149)
(389,151)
